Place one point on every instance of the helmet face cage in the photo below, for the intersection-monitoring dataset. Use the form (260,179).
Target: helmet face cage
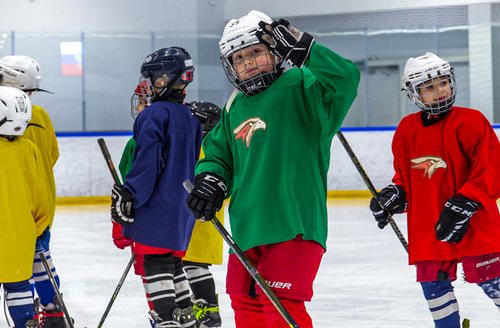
(249,68)
(139,100)
(435,95)
(15,111)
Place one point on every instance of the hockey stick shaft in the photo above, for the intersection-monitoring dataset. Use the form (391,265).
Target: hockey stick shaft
(248,265)
(116,178)
(117,290)
(371,187)
(109,161)
(56,289)
(5,308)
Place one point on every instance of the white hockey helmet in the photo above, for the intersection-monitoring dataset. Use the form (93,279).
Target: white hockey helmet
(15,111)
(419,70)
(237,35)
(21,72)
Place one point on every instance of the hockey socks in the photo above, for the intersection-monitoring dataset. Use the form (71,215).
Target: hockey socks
(168,287)
(442,303)
(42,282)
(492,289)
(159,273)
(20,302)
(201,281)
(182,293)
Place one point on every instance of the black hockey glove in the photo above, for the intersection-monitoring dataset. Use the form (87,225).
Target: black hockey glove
(122,208)
(285,41)
(454,219)
(207,196)
(393,199)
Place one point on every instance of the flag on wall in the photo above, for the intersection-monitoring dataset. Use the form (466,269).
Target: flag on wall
(71,58)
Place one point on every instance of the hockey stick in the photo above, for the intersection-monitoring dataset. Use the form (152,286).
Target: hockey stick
(370,186)
(5,306)
(56,289)
(117,290)
(109,161)
(116,178)
(248,265)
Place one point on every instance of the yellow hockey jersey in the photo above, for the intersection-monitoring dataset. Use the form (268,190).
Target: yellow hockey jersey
(206,242)
(24,207)
(41,132)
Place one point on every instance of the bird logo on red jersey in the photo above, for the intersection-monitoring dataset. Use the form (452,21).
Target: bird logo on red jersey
(246,130)
(429,164)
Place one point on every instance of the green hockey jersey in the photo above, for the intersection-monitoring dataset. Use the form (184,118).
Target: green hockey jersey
(273,150)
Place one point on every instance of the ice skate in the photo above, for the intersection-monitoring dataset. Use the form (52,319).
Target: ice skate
(207,314)
(51,315)
(185,317)
(158,322)
(32,323)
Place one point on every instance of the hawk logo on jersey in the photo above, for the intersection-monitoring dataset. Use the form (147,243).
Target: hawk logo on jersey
(429,164)
(246,130)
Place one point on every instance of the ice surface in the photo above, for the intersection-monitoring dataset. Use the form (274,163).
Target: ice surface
(363,281)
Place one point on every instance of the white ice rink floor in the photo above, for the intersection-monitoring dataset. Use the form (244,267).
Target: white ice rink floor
(364,279)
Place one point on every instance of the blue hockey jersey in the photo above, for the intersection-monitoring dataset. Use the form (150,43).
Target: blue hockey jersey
(168,145)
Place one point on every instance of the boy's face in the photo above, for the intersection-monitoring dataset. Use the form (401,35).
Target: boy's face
(161,83)
(250,61)
(142,103)
(435,91)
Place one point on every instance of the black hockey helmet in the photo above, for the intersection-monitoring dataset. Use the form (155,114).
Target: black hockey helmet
(207,113)
(165,68)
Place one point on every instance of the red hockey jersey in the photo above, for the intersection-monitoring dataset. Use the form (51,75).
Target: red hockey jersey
(459,155)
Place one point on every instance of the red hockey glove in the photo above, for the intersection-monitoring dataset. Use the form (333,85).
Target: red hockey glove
(119,239)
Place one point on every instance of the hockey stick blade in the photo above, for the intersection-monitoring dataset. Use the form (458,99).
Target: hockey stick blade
(248,265)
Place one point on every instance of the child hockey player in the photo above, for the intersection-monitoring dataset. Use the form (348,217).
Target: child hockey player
(138,103)
(25,205)
(24,73)
(149,204)
(277,211)
(205,247)
(447,179)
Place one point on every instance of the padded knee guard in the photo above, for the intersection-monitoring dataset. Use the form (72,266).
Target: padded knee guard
(442,303)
